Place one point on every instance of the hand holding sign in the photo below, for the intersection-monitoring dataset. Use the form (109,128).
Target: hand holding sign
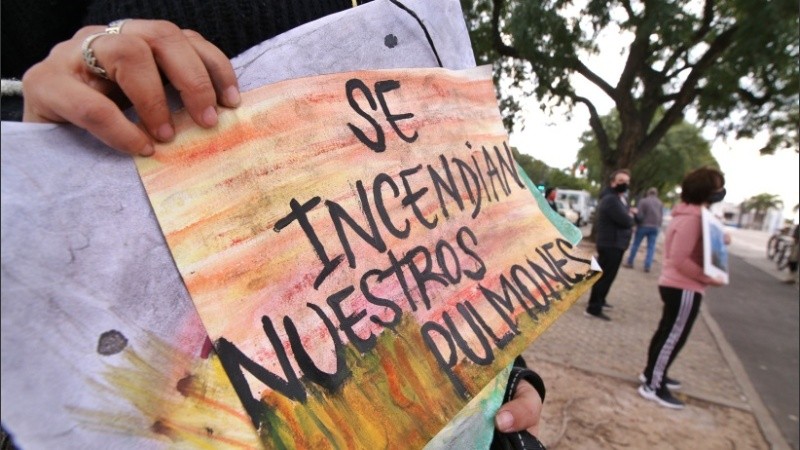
(63,88)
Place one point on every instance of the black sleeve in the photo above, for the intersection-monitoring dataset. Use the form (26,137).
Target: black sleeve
(521,372)
(618,212)
(521,440)
(30,29)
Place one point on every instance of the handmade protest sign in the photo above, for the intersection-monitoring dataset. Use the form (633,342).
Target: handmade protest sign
(362,251)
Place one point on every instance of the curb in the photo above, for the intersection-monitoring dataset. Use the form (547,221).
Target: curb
(768,427)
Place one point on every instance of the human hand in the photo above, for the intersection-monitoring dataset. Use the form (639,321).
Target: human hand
(726,238)
(522,412)
(633,210)
(62,88)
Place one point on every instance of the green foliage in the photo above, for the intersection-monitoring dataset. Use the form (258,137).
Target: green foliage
(761,203)
(682,150)
(563,180)
(733,62)
(542,174)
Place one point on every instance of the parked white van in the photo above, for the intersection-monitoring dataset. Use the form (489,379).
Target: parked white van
(580,201)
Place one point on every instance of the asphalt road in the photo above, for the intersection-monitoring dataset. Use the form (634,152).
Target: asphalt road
(760,318)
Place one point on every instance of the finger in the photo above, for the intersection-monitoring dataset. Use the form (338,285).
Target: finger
(219,67)
(81,105)
(522,412)
(128,61)
(182,66)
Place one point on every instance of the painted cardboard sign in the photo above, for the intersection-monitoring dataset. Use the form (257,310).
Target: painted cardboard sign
(362,250)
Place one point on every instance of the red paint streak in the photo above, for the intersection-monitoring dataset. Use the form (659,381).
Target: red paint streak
(165,427)
(221,406)
(207,347)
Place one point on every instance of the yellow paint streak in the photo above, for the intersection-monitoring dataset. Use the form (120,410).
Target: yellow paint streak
(210,415)
(355,417)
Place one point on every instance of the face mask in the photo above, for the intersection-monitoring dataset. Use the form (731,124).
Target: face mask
(622,187)
(717,196)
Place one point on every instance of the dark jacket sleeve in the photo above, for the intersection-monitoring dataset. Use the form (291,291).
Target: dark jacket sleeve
(521,372)
(519,440)
(618,212)
(30,29)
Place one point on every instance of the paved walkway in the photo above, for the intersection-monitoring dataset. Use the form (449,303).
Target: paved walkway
(709,369)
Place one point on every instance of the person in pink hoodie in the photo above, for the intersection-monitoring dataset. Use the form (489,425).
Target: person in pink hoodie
(682,283)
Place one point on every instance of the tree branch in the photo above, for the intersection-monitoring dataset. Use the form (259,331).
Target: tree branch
(595,79)
(599,131)
(751,98)
(639,51)
(688,91)
(628,9)
(705,27)
(497,39)
(677,71)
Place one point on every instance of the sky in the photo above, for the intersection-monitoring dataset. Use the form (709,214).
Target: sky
(555,139)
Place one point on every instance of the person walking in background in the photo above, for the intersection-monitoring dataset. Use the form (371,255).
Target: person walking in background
(613,234)
(649,216)
(682,283)
(550,194)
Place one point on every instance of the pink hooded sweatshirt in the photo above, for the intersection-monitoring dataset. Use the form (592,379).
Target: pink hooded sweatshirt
(683,251)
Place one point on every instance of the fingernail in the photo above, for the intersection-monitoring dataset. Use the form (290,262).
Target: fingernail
(148,150)
(504,420)
(165,132)
(210,116)
(232,97)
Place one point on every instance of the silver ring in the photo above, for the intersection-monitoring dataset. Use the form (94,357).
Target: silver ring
(115,27)
(89,58)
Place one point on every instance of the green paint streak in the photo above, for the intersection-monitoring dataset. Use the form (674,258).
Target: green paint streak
(570,232)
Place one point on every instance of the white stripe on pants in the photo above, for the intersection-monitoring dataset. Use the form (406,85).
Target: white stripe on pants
(665,354)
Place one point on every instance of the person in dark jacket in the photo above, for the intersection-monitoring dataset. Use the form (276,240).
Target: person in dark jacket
(613,228)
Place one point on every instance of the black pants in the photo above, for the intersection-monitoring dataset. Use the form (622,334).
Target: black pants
(609,259)
(677,318)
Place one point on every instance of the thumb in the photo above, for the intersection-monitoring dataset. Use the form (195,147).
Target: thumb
(522,412)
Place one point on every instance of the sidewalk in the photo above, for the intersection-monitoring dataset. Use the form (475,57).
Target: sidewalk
(590,368)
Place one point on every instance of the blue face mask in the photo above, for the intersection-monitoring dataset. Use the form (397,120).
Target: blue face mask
(717,196)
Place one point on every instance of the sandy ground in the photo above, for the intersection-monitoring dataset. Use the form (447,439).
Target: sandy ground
(589,411)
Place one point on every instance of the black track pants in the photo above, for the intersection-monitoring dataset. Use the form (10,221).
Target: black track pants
(677,318)
(609,259)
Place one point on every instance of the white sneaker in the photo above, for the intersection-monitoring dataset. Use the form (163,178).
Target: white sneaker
(673,385)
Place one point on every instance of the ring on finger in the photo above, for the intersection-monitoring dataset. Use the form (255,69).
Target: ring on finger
(88,55)
(115,27)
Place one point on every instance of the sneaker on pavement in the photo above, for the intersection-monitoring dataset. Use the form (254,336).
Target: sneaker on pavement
(663,397)
(668,382)
(597,316)
(608,306)
(627,265)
